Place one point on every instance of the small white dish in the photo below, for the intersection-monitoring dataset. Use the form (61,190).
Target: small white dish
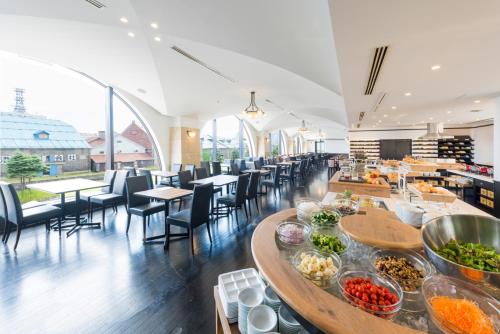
(261,319)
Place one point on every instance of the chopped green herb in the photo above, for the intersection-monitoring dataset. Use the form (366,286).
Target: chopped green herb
(325,218)
(327,243)
(471,255)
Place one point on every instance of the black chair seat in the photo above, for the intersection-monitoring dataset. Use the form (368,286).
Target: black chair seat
(269,183)
(31,204)
(181,218)
(217,190)
(285,175)
(227,200)
(105,199)
(41,213)
(86,197)
(147,209)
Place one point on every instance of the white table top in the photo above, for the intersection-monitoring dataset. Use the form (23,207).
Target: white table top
(218,180)
(66,186)
(163,173)
(471,175)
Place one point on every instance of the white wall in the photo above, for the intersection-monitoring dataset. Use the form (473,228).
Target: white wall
(400,134)
(122,145)
(336,146)
(483,144)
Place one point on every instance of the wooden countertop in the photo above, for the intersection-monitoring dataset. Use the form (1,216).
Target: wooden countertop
(322,309)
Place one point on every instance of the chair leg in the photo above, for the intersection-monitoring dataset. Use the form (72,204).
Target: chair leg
(148,220)
(18,235)
(8,233)
(103,214)
(209,234)
(89,208)
(5,231)
(180,204)
(144,228)
(59,219)
(245,207)
(91,212)
(257,204)
(236,214)
(250,207)
(129,216)
(190,232)
(167,236)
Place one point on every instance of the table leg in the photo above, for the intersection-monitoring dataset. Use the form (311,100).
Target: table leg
(78,224)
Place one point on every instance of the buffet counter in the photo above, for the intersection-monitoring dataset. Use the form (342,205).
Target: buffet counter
(471,175)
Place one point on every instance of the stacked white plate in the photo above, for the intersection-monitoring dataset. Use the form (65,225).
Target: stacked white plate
(271,299)
(261,319)
(230,285)
(287,323)
(248,299)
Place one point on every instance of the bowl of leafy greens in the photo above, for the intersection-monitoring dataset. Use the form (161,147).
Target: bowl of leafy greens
(325,217)
(464,246)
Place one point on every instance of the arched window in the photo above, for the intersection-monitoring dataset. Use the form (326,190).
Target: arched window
(231,139)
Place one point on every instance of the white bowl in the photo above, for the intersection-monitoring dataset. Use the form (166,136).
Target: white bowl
(247,299)
(261,319)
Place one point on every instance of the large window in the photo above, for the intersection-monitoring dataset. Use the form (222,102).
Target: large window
(57,116)
(226,138)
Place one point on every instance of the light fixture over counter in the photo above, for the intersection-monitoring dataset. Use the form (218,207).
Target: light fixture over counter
(303,129)
(252,111)
(191,133)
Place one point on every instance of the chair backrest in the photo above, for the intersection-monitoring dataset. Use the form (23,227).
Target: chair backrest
(253,185)
(243,164)
(292,170)
(201,173)
(235,170)
(184,178)
(119,184)
(109,178)
(216,168)
(131,171)
(200,207)
(3,208)
(133,185)
(206,165)
(303,164)
(257,164)
(191,169)
(241,189)
(176,168)
(293,158)
(261,160)
(14,211)
(147,174)
(277,173)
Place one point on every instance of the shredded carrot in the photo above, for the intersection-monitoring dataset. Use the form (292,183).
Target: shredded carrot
(463,314)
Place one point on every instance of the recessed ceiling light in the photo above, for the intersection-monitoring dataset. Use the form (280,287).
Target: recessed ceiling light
(477,101)
(431,118)
(407,94)
(131,34)
(435,67)
(124,19)
(154,25)
(448,121)
(449,111)
(158,39)
(380,121)
(399,122)
(385,115)
(394,107)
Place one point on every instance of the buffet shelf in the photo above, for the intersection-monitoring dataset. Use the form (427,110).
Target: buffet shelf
(425,148)
(460,148)
(366,148)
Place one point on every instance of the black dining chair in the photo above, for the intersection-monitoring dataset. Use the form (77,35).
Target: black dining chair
(131,170)
(184,183)
(243,165)
(206,165)
(235,169)
(290,175)
(13,213)
(253,190)
(216,168)
(140,206)
(109,178)
(115,197)
(236,201)
(176,168)
(197,215)
(191,169)
(257,164)
(274,182)
(148,175)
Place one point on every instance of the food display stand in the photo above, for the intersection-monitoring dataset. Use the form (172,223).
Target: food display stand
(359,187)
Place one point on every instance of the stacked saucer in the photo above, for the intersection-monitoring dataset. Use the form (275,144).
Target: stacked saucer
(271,299)
(262,319)
(287,323)
(248,299)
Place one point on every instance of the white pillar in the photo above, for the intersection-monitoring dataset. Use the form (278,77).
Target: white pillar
(496,139)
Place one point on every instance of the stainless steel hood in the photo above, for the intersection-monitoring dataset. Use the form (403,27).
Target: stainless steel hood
(434,131)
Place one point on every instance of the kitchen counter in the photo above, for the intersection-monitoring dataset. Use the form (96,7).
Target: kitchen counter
(471,175)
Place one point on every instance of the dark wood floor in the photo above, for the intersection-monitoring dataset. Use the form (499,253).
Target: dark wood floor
(103,281)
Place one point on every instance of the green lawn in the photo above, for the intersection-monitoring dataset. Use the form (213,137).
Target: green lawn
(28,195)
(67,175)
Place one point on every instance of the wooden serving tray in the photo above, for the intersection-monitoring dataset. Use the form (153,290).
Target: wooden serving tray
(359,188)
(381,228)
(420,167)
(446,197)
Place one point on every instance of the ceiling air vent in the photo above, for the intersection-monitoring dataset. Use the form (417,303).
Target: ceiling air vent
(96,3)
(377,61)
(379,101)
(475,110)
(199,62)
(361,116)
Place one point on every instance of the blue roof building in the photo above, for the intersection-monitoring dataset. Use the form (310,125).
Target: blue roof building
(24,131)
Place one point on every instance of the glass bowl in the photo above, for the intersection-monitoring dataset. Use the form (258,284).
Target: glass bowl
(418,261)
(325,217)
(345,207)
(367,202)
(292,233)
(454,288)
(386,311)
(334,232)
(323,281)
(306,208)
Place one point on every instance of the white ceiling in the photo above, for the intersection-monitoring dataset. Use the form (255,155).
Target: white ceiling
(283,49)
(463,37)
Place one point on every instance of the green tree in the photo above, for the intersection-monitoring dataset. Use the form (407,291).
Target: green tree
(235,153)
(275,151)
(220,156)
(24,166)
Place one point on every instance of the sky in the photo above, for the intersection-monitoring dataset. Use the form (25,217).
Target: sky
(58,94)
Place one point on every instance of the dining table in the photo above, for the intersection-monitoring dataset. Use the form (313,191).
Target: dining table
(63,187)
(164,174)
(165,194)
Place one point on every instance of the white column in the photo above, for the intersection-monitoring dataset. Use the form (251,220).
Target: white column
(496,139)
